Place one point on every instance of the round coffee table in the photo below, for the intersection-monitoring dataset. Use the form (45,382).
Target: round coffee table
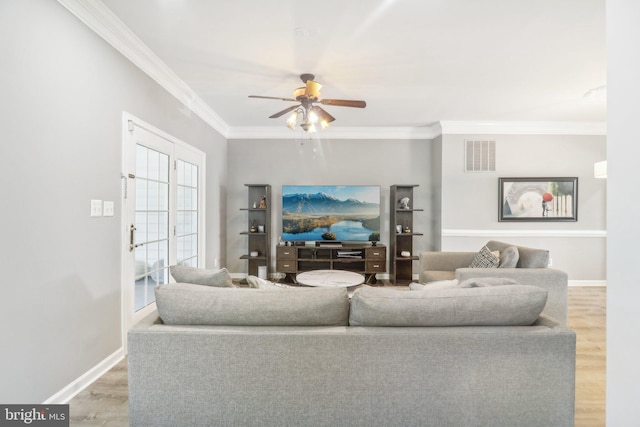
(330,278)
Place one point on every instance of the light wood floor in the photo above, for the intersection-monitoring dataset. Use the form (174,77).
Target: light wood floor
(105,402)
(587,316)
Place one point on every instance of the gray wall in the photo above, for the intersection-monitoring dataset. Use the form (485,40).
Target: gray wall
(330,162)
(470,200)
(64,91)
(462,205)
(623,150)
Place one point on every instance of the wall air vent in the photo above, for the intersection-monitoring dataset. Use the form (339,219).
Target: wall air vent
(480,156)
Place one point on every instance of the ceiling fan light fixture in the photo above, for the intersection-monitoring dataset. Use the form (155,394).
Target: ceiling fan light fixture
(308,127)
(292,120)
(312,114)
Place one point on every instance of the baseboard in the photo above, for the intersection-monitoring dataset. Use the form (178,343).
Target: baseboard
(71,390)
(587,283)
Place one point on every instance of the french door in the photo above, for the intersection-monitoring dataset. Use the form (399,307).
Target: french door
(163,213)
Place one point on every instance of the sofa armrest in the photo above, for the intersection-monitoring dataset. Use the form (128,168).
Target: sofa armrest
(554,281)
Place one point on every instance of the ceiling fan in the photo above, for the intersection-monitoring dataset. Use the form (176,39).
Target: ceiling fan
(309,113)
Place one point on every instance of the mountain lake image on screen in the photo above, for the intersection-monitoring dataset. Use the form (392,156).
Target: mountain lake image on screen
(345,213)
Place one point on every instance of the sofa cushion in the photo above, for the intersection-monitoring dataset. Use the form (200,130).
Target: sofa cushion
(517,305)
(485,259)
(478,282)
(436,275)
(528,257)
(189,304)
(431,286)
(201,276)
(509,257)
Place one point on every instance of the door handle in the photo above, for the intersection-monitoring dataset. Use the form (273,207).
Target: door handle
(132,243)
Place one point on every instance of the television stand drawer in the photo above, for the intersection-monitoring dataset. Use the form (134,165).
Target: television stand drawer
(286,252)
(287,266)
(376,253)
(377,266)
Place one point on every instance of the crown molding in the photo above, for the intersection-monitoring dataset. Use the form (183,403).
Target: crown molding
(282,132)
(425,132)
(523,128)
(100,19)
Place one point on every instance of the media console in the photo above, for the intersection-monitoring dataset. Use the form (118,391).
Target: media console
(364,259)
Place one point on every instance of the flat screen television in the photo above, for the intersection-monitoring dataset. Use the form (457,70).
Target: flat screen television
(343,213)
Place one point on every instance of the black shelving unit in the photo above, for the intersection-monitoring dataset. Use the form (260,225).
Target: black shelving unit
(401,267)
(258,227)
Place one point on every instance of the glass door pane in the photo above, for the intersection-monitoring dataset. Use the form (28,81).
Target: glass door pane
(187,213)
(151,224)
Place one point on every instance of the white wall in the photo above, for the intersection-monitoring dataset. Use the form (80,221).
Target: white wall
(64,91)
(623,152)
(330,162)
(470,200)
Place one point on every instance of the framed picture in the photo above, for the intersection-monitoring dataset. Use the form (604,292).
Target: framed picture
(538,199)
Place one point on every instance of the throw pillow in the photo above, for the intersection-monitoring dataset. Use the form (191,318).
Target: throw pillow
(509,257)
(486,281)
(188,304)
(485,259)
(518,305)
(200,276)
(527,257)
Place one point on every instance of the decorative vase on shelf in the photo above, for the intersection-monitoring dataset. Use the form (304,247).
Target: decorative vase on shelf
(263,203)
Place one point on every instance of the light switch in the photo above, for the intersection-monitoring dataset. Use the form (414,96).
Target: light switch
(96,208)
(107,208)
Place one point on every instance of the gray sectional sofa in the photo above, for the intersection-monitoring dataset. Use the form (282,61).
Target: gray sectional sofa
(258,357)
(530,268)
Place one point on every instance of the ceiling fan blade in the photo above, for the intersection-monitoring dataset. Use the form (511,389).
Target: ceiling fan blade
(321,112)
(283,112)
(313,89)
(343,103)
(272,97)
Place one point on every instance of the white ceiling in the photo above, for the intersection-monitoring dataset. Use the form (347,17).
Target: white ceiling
(415,62)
